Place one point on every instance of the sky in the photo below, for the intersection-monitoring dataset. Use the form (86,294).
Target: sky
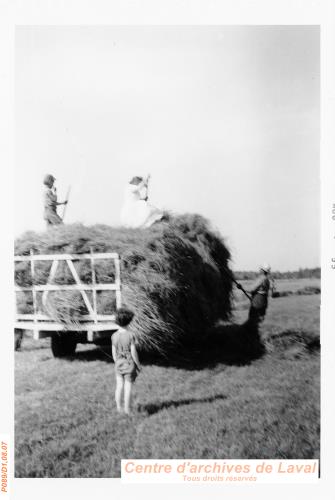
(224,118)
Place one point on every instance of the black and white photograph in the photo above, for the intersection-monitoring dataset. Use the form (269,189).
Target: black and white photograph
(167,245)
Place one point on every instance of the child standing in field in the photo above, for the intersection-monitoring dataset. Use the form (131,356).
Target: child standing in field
(127,364)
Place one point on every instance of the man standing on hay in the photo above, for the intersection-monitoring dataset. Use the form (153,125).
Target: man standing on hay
(50,202)
(259,296)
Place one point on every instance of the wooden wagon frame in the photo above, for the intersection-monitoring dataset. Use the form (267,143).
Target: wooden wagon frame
(92,323)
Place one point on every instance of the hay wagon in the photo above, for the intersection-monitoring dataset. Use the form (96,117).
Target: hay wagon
(89,328)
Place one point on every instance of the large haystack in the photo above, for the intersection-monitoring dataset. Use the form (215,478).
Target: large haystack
(175,275)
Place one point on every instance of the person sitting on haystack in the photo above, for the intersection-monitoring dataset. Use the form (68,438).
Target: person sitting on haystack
(259,296)
(50,202)
(136,210)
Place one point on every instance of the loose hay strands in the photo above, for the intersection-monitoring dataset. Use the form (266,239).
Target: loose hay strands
(174,275)
(65,307)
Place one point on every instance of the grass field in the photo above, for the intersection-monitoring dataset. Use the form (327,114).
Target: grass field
(66,424)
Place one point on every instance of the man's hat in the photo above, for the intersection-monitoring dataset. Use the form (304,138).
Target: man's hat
(266,268)
(48,178)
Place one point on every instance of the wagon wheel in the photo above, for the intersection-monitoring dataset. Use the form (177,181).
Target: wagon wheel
(18,336)
(63,344)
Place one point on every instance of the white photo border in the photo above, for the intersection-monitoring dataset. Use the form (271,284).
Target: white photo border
(173,12)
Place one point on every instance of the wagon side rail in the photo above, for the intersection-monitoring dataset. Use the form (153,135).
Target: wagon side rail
(40,321)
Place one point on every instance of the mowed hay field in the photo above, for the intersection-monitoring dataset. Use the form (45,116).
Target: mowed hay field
(66,424)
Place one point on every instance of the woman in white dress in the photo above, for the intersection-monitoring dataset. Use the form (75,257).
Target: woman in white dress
(136,210)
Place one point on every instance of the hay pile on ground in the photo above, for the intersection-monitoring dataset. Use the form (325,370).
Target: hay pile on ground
(307,290)
(175,275)
(293,343)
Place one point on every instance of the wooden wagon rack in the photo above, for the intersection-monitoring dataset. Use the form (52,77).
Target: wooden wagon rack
(40,323)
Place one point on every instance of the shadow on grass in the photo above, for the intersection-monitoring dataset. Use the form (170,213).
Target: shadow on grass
(152,408)
(100,353)
(231,344)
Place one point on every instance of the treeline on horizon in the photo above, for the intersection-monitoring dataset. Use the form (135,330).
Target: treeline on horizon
(301,273)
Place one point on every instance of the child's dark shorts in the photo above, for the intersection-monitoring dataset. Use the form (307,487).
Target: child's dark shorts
(126,368)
